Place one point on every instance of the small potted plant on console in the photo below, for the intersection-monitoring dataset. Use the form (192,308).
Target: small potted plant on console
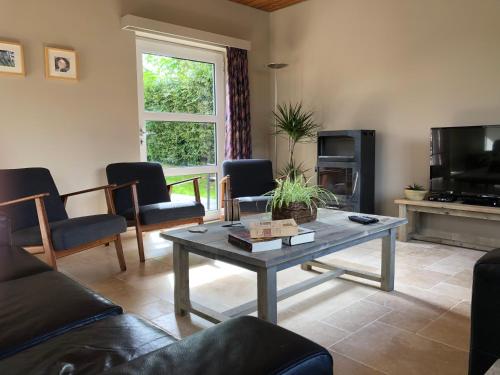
(415,192)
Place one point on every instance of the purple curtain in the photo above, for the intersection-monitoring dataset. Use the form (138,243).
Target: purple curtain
(238,128)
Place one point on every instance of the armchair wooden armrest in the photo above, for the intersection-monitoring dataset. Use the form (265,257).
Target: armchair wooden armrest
(24,199)
(106,188)
(196,186)
(42,220)
(121,186)
(225,188)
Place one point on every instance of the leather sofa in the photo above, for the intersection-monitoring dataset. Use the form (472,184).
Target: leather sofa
(485,314)
(50,324)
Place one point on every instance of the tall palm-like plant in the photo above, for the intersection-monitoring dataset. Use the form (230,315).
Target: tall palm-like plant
(296,123)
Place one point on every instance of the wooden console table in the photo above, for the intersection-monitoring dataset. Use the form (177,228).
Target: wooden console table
(411,210)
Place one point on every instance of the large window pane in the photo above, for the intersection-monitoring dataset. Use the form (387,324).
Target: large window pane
(178,86)
(181,144)
(185,192)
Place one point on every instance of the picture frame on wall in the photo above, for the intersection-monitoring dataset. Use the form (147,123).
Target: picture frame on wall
(11,59)
(61,63)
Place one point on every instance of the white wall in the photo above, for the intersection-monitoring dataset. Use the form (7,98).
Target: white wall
(396,66)
(75,130)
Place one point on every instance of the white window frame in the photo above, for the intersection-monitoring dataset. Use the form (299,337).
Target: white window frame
(212,55)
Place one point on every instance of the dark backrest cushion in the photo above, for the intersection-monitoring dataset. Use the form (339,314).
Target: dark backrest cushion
(18,183)
(152,187)
(250,177)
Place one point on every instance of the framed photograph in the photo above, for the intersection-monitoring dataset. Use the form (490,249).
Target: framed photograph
(11,58)
(61,63)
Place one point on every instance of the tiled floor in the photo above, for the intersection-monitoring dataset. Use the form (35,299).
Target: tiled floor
(420,328)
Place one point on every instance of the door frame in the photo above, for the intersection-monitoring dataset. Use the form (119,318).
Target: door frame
(213,56)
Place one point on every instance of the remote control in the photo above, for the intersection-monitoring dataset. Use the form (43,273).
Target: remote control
(365,220)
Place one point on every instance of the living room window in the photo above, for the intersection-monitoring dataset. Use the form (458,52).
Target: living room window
(181,115)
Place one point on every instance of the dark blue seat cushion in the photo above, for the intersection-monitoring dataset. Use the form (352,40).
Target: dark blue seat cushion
(90,349)
(18,183)
(42,306)
(152,187)
(167,211)
(249,178)
(16,262)
(67,234)
(253,204)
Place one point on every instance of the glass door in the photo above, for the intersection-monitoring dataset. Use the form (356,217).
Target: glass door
(181,113)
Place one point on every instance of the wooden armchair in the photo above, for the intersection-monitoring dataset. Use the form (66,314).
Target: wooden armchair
(40,221)
(247,180)
(142,196)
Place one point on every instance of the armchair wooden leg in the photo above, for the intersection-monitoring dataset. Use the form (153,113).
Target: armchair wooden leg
(140,243)
(119,253)
(51,258)
(200,220)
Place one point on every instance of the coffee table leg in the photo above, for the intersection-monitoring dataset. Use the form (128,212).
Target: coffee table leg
(267,300)
(181,276)
(388,260)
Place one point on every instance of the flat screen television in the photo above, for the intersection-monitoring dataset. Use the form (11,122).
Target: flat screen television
(465,160)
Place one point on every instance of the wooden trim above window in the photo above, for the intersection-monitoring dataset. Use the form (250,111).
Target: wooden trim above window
(153,29)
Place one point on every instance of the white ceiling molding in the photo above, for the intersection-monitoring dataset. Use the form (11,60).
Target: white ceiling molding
(148,28)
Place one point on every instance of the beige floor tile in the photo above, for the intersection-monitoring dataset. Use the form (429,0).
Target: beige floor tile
(451,328)
(319,332)
(454,291)
(357,315)
(413,308)
(324,300)
(397,352)
(463,279)
(132,300)
(181,326)
(418,277)
(154,309)
(343,365)
(456,263)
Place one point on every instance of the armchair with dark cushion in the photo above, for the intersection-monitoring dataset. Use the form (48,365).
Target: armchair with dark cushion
(142,197)
(247,180)
(38,217)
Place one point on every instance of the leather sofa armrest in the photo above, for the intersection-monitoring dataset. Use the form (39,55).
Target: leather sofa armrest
(5,231)
(485,311)
(243,346)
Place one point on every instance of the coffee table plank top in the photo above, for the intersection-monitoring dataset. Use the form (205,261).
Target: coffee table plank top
(333,228)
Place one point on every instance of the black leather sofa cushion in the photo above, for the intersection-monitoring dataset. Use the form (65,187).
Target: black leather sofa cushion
(38,307)
(70,233)
(166,211)
(16,262)
(90,349)
(485,314)
(243,346)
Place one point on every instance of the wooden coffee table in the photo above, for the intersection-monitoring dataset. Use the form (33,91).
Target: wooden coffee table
(334,232)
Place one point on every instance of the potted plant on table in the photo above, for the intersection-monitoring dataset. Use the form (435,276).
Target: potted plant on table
(415,192)
(293,198)
(296,123)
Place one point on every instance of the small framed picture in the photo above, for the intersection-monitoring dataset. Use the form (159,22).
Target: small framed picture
(61,63)
(11,58)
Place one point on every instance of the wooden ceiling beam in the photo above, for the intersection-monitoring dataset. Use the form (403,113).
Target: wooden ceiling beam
(268,5)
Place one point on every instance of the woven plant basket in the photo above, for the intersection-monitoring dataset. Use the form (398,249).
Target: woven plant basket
(298,211)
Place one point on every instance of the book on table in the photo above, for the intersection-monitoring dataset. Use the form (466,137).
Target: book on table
(304,236)
(273,228)
(241,238)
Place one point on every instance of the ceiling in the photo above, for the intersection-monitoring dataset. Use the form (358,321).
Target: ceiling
(268,5)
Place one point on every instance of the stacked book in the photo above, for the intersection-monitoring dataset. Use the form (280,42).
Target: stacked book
(270,235)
